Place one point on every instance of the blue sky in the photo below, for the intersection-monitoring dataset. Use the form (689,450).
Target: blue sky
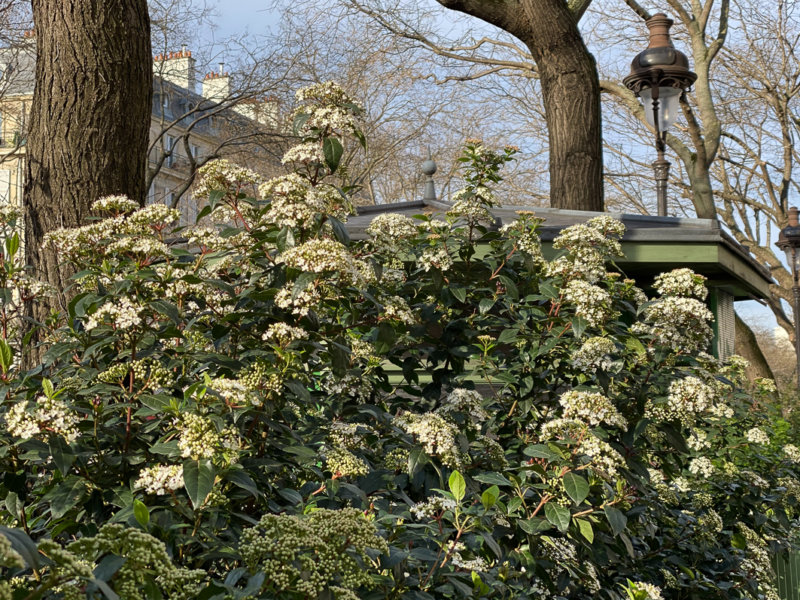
(237,17)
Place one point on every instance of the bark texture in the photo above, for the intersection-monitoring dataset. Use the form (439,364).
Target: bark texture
(89,120)
(570,90)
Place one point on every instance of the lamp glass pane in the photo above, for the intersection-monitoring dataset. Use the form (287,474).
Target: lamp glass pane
(668,106)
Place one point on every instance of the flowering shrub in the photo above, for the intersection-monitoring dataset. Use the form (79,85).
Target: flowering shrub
(278,412)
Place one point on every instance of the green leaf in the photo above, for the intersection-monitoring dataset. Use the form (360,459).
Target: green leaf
(579,326)
(508,336)
(339,231)
(616,519)
(238,477)
(47,387)
(557,515)
(12,245)
(332,150)
(62,455)
(534,525)
(489,497)
(168,309)
(492,478)
(340,357)
(576,487)
(6,356)
(586,529)
(548,290)
(459,293)
(458,486)
(198,479)
(23,544)
(65,495)
(635,345)
(141,513)
(541,451)
(416,460)
(485,305)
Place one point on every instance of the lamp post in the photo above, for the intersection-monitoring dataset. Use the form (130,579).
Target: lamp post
(660,75)
(789,242)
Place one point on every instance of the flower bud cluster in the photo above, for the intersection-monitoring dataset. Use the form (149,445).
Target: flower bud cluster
(282,334)
(9,557)
(121,313)
(304,555)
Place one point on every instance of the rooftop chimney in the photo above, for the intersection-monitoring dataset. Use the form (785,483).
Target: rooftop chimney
(177,68)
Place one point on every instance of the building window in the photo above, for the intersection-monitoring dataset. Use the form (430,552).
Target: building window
(169,148)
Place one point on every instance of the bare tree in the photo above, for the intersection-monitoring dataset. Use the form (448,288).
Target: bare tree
(551,50)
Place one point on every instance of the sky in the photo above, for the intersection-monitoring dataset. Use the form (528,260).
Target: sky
(237,17)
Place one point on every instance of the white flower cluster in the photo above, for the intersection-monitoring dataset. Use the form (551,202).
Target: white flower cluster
(282,334)
(758,562)
(304,153)
(605,459)
(138,247)
(304,554)
(206,238)
(388,231)
(235,392)
(396,308)
(564,429)
(152,217)
(436,257)
(349,435)
(595,353)
(160,479)
(299,301)
(698,439)
(588,246)
(653,592)
(702,466)
(115,205)
(221,175)
(755,435)
(350,385)
(291,203)
(678,323)
(50,415)
(9,213)
(433,507)
(473,564)
(792,452)
(686,398)
(681,282)
(120,314)
(324,256)
(472,205)
(522,232)
(435,433)
(199,438)
(592,408)
(765,385)
(592,303)
(466,402)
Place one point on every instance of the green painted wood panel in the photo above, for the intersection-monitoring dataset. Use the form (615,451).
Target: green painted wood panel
(787,572)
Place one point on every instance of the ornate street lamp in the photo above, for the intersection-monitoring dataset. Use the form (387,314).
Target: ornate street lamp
(660,75)
(789,242)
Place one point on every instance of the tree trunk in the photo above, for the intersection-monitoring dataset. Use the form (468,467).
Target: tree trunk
(89,121)
(570,90)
